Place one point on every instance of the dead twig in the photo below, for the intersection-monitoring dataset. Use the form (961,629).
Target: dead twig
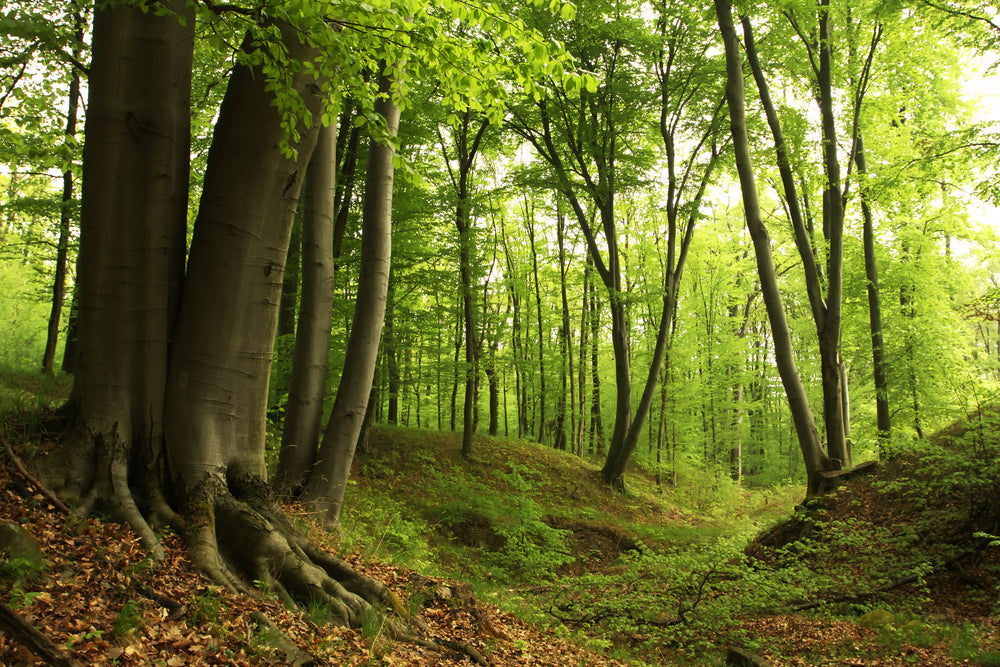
(52,498)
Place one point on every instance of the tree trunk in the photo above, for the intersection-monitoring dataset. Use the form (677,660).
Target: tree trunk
(809,442)
(566,335)
(193,427)
(304,409)
(65,216)
(826,309)
(466,149)
(135,168)
(596,414)
(883,419)
(529,215)
(326,486)
(290,280)
(391,353)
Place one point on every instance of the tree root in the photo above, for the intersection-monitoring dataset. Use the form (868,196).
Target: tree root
(294,656)
(237,532)
(26,634)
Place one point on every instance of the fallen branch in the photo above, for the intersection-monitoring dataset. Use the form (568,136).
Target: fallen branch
(28,636)
(23,472)
(857,597)
(861,597)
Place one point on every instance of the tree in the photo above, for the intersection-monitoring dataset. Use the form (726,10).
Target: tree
(169,404)
(67,209)
(466,135)
(304,409)
(815,458)
(328,477)
(584,141)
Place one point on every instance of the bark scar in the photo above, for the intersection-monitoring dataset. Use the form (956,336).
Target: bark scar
(292,178)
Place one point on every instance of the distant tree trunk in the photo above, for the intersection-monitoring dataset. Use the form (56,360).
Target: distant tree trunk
(493,380)
(65,214)
(566,336)
(809,442)
(738,388)
(529,220)
(466,150)
(348,144)
(325,487)
(516,344)
(290,281)
(71,349)
(581,376)
(883,419)
(909,311)
(596,414)
(391,353)
(459,337)
(304,409)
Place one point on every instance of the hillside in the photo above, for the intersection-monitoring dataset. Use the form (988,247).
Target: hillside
(521,557)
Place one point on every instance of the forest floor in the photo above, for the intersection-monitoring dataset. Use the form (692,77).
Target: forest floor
(524,556)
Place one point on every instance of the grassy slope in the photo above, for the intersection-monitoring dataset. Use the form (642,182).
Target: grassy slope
(652,577)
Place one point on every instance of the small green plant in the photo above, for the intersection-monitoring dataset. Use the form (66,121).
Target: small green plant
(129,618)
(20,598)
(205,608)
(372,625)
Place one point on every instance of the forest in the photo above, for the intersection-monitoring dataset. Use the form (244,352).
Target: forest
(634,331)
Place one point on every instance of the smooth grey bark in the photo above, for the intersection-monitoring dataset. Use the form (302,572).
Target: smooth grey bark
(135,168)
(221,354)
(304,409)
(809,442)
(325,487)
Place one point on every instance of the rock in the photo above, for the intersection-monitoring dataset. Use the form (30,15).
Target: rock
(16,544)
(738,657)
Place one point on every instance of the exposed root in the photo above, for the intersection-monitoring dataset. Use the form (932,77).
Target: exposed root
(294,656)
(27,635)
(236,531)
(102,482)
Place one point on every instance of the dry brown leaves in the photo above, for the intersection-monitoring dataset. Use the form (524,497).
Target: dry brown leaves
(98,576)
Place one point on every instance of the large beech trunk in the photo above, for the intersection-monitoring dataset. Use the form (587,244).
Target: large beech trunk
(170,397)
(131,261)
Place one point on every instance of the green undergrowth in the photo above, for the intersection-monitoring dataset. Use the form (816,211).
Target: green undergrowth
(27,400)
(670,576)
(537,532)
